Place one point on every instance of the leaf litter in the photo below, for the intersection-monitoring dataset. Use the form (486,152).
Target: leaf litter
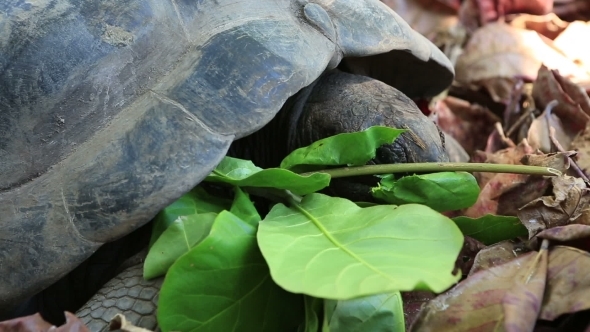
(520,97)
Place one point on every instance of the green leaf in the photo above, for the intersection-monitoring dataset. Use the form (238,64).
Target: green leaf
(381,312)
(243,208)
(183,234)
(313,310)
(444,191)
(491,229)
(244,173)
(223,284)
(352,149)
(330,248)
(195,201)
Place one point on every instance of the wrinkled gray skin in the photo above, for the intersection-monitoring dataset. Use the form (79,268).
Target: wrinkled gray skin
(112,109)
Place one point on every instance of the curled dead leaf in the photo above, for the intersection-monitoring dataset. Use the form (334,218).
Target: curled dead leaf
(568,204)
(538,134)
(496,254)
(573,106)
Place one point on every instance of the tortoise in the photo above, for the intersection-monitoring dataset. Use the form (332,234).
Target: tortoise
(112,109)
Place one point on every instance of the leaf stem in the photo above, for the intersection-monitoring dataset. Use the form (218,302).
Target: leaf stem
(436,167)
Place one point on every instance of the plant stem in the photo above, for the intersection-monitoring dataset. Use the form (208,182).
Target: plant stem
(436,167)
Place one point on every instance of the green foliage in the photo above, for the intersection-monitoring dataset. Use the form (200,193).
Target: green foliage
(336,150)
(380,312)
(329,247)
(223,284)
(244,173)
(313,312)
(193,202)
(319,263)
(183,234)
(491,229)
(444,191)
(243,208)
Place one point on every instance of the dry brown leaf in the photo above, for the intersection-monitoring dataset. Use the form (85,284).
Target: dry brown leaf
(566,233)
(496,254)
(572,100)
(504,193)
(499,88)
(538,133)
(557,160)
(511,201)
(487,202)
(522,302)
(549,25)
(568,284)
(507,295)
(568,204)
(500,50)
(469,124)
(36,323)
(582,145)
(511,156)
(468,254)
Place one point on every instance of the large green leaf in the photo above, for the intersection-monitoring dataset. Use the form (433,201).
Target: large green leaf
(244,173)
(381,312)
(444,191)
(195,201)
(352,149)
(331,248)
(491,229)
(184,233)
(223,284)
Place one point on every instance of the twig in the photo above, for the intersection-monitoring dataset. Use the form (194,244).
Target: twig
(520,121)
(571,161)
(504,138)
(436,167)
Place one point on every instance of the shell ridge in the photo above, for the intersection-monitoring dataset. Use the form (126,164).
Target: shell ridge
(192,117)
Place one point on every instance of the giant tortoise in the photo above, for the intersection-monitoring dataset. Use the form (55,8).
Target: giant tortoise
(112,109)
